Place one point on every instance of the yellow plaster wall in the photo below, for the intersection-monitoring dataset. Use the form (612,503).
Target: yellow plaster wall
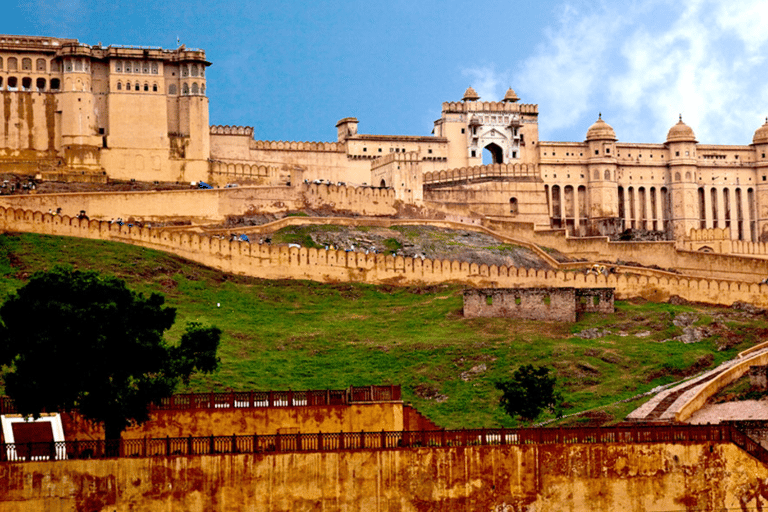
(373,417)
(576,477)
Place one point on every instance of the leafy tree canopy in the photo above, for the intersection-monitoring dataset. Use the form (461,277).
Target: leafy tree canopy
(77,340)
(530,391)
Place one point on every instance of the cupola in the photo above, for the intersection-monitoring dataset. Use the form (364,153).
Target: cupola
(761,134)
(681,132)
(510,97)
(600,130)
(470,95)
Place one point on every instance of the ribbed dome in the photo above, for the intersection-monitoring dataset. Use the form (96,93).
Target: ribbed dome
(470,95)
(510,97)
(600,130)
(761,134)
(681,132)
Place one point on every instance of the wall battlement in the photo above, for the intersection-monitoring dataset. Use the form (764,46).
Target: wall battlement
(490,106)
(527,171)
(232,130)
(332,147)
(281,262)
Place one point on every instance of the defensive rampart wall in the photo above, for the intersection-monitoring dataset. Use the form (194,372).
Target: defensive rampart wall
(509,171)
(663,255)
(504,478)
(307,160)
(282,262)
(209,205)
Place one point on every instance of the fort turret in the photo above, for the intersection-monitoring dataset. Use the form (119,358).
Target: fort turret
(601,176)
(687,198)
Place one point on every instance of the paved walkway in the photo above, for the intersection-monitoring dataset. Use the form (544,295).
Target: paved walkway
(665,405)
(731,411)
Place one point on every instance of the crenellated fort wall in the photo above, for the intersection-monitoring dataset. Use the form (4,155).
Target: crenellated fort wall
(210,205)
(281,262)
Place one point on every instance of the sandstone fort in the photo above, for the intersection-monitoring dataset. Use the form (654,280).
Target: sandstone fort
(692,219)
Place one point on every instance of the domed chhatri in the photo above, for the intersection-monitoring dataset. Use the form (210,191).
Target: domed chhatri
(761,134)
(470,95)
(681,132)
(601,130)
(510,96)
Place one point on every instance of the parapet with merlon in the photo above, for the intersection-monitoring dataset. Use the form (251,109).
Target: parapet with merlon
(490,106)
(271,145)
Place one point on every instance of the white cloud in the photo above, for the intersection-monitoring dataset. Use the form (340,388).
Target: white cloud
(486,82)
(643,64)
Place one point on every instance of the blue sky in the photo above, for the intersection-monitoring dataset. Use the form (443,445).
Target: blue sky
(292,69)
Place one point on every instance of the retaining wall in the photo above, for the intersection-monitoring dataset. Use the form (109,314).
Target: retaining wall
(504,478)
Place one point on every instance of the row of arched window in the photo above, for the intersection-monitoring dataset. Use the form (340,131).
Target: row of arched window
(26,84)
(40,65)
(136,86)
(192,70)
(135,66)
(186,90)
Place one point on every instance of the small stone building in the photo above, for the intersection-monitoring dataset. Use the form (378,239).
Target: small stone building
(558,304)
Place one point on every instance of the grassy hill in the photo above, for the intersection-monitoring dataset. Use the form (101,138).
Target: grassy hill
(305,335)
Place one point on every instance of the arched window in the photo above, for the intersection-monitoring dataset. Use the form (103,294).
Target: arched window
(55,66)
(13,64)
(1,83)
(26,64)
(607,174)
(40,84)
(145,68)
(202,88)
(137,87)
(677,176)
(383,184)
(195,88)
(78,65)
(154,87)
(184,70)
(513,205)
(202,70)
(40,65)
(55,84)
(119,86)
(136,67)
(194,69)
(172,89)
(13,83)
(1,63)
(154,68)
(26,83)
(118,67)
(146,86)
(184,89)
(597,174)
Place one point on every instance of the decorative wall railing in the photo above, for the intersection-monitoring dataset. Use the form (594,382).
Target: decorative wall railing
(261,399)
(314,442)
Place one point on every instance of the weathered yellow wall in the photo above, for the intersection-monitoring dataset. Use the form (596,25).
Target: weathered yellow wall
(262,421)
(575,477)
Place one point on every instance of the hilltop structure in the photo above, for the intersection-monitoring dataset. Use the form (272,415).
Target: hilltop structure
(79,112)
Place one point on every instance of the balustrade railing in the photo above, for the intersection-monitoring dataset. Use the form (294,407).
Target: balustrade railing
(384,440)
(260,399)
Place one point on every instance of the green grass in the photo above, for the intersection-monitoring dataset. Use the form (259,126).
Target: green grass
(306,335)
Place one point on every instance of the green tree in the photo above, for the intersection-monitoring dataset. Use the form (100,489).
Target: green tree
(76,340)
(530,391)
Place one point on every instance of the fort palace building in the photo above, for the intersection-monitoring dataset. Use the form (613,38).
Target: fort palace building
(71,111)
